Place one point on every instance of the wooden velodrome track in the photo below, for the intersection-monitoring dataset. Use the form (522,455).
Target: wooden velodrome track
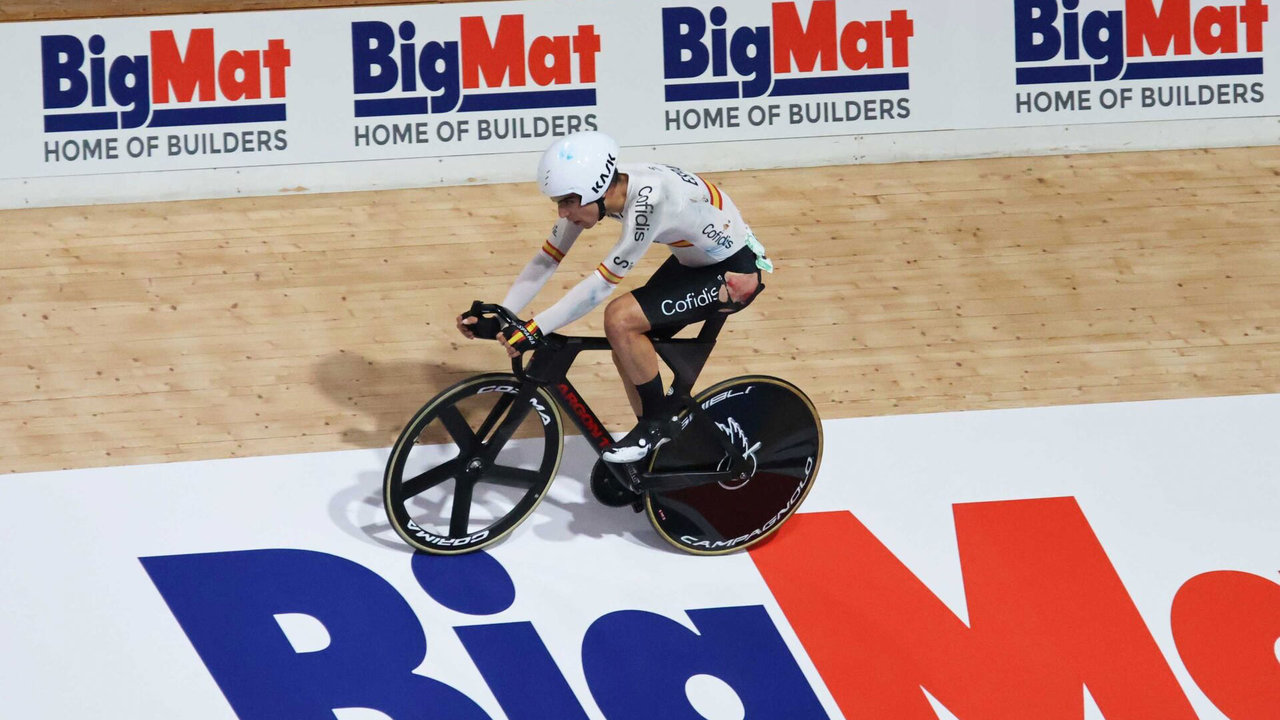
(194,330)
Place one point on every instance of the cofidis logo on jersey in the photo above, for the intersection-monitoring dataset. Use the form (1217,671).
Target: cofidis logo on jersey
(485,65)
(1217,46)
(709,56)
(87,86)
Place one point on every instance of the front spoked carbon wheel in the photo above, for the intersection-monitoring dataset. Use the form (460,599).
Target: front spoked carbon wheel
(776,437)
(472,464)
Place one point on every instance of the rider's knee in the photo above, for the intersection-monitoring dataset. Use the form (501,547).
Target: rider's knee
(620,316)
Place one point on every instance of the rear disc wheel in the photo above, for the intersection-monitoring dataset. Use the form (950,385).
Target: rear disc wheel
(777,435)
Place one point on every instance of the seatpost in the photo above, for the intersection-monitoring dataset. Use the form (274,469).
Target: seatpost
(687,357)
(710,329)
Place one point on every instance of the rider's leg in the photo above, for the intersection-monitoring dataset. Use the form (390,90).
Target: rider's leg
(625,325)
(674,297)
(633,396)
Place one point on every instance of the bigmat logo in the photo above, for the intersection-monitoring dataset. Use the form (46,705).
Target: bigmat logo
(395,73)
(485,67)
(1048,618)
(704,58)
(1057,41)
(86,87)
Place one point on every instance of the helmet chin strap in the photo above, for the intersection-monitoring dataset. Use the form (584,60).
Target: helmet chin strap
(600,200)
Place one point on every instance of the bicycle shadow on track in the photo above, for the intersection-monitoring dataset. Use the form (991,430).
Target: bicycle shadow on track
(386,393)
(567,511)
(570,511)
(357,511)
(376,399)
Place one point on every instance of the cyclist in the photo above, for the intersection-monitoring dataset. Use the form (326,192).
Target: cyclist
(714,266)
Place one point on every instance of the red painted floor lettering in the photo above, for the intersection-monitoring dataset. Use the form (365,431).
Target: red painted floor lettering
(1226,625)
(1048,615)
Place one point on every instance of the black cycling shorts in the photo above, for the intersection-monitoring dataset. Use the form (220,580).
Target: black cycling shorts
(677,295)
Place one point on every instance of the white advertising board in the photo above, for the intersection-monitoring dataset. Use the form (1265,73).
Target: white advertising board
(1113,561)
(351,99)
(459,92)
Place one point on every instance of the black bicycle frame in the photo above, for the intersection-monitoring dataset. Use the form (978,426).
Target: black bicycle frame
(685,356)
(549,367)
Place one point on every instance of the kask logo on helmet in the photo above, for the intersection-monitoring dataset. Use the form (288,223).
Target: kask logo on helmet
(711,60)
(581,163)
(1057,41)
(89,85)
(602,180)
(483,67)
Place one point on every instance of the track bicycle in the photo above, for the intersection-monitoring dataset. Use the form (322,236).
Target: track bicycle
(475,461)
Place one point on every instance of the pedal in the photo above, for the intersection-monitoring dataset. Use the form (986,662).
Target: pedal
(608,490)
(636,486)
(634,483)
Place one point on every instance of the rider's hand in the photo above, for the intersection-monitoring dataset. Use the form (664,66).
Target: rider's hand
(464,324)
(522,337)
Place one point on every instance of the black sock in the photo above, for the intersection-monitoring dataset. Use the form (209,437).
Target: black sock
(651,398)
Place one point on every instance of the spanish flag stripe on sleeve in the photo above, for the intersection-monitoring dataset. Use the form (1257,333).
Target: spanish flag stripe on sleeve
(682,243)
(716,199)
(608,276)
(553,251)
(520,334)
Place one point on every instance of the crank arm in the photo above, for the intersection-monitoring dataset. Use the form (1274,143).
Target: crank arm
(668,481)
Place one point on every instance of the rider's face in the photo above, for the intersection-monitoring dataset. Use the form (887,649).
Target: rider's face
(572,209)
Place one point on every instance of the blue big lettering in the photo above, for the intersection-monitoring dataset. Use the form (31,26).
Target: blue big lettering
(60,59)
(1038,39)
(375,69)
(227,602)
(684,54)
(477,584)
(636,663)
(65,84)
(520,671)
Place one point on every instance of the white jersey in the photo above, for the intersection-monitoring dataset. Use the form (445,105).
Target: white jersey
(665,205)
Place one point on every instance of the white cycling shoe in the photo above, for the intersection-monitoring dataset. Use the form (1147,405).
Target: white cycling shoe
(643,439)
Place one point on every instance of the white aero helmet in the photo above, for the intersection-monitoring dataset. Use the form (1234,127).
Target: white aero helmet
(582,163)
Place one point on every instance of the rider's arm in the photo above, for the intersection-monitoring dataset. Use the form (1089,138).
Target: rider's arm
(543,265)
(596,287)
